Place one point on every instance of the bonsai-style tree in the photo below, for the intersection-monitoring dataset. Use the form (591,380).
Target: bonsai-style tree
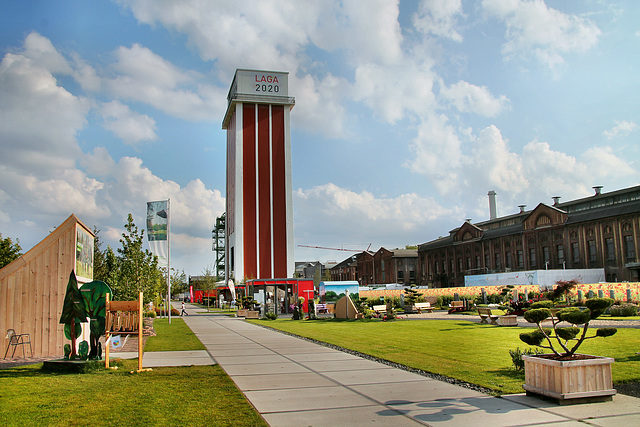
(411,297)
(558,339)
(73,312)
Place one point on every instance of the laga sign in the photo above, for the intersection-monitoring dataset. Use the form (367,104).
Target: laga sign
(252,82)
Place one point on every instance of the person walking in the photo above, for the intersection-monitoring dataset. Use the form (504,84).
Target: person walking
(183,312)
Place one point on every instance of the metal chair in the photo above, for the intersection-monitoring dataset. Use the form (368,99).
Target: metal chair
(18,339)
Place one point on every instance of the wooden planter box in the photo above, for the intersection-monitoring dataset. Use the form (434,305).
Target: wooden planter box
(565,380)
(508,320)
(242,312)
(252,314)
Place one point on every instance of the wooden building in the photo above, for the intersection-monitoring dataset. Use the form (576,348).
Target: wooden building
(32,288)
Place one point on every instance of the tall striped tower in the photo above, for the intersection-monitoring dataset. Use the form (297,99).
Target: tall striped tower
(259,220)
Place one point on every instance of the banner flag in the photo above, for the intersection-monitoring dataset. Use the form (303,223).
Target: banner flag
(157,230)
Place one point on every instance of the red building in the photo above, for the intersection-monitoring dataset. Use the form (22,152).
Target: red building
(259,212)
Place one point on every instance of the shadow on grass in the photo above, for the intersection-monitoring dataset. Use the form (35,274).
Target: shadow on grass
(634,358)
(38,370)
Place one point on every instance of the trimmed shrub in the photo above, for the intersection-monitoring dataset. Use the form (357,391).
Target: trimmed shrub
(624,310)
(516,356)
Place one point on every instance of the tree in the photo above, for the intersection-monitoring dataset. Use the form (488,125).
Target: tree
(138,268)
(73,312)
(178,282)
(9,251)
(209,279)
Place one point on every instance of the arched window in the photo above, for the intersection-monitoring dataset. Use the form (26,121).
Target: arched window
(543,220)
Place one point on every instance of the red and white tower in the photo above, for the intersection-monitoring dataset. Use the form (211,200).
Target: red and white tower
(259,220)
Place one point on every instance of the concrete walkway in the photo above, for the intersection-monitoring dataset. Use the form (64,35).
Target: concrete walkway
(292,382)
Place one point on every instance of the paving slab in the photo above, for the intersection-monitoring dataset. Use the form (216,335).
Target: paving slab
(301,399)
(267,368)
(359,416)
(382,375)
(281,381)
(238,351)
(243,359)
(155,359)
(343,365)
(413,391)
(479,410)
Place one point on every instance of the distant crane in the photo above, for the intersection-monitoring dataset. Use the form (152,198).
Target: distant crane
(335,249)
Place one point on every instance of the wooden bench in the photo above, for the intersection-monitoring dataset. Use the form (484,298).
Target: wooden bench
(456,306)
(486,316)
(381,309)
(426,306)
(321,308)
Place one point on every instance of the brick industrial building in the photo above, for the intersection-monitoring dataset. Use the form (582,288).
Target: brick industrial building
(600,231)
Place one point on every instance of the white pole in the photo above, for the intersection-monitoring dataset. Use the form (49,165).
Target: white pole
(169,256)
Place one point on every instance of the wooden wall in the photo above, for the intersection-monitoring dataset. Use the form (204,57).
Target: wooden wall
(32,290)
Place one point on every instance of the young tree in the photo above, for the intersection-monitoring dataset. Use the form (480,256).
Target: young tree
(209,279)
(178,282)
(9,251)
(138,268)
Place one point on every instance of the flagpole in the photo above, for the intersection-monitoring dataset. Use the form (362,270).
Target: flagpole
(169,255)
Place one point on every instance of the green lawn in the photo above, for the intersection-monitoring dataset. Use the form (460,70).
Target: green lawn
(189,396)
(459,349)
(174,337)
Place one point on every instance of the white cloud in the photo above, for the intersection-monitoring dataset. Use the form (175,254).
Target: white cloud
(439,17)
(319,102)
(545,33)
(42,54)
(437,153)
(467,97)
(621,129)
(38,118)
(603,162)
(146,77)
(362,216)
(490,164)
(128,125)
(395,91)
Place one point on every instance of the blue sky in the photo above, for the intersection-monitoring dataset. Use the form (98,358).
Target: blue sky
(407,112)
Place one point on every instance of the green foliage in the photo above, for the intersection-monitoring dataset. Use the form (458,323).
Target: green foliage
(94,297)
(542,304)
(574,315)
(73,312)
(567,333)
(411,296)
(150,313)
(537,315)
(209,279)
(443,301)
(625,310)
(83,350)
(67,351)
(516,356)
(606,332)
(598,306)
(562,336)
(563,289)
(9,251)
(138,267)
(532,338)
(270,316)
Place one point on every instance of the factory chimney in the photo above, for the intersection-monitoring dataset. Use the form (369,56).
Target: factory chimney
(493,210)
